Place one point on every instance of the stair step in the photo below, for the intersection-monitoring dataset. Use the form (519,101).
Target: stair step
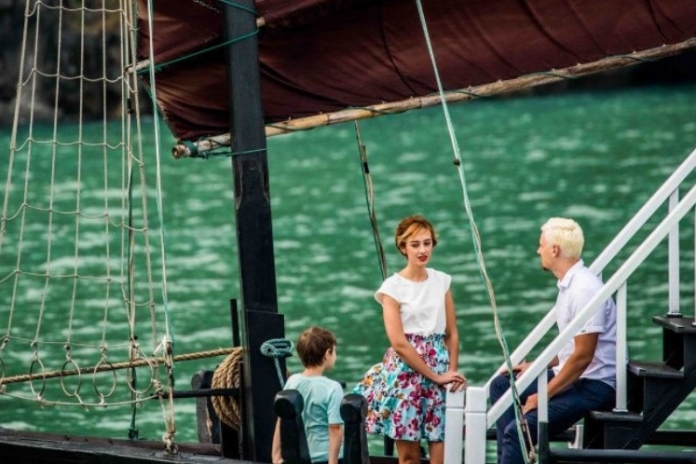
(615,455)
(609,429)
(676,324)
(654,391)
(611,416)
(654,369)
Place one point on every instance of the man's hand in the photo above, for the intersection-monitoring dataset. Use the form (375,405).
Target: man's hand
(531,404)
(518,369)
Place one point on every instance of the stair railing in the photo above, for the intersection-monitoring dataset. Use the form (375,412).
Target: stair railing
(667,191)
(478,418)
(615,283)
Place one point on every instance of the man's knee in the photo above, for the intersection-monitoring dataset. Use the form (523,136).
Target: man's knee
(511,433)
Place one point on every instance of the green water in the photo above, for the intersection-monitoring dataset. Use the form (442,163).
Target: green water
(595,157)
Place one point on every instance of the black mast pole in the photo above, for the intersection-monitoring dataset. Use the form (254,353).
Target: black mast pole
(261,320)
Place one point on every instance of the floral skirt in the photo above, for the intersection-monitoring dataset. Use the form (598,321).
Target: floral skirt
(401,403)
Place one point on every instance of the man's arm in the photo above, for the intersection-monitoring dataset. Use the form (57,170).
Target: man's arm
(335,438)
(520,368)
(576,364)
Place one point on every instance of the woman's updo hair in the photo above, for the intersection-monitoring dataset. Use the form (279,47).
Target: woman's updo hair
(409,226)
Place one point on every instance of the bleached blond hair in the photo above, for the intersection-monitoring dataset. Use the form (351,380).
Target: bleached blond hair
(565,233)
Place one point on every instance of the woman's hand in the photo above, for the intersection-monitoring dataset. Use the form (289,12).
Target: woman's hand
(454,379)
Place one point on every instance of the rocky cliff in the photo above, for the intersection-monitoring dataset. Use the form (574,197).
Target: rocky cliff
(59,49)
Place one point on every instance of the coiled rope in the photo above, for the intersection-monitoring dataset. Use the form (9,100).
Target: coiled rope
(228,375)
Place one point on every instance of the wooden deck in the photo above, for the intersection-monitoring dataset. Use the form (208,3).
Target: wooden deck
(40,448)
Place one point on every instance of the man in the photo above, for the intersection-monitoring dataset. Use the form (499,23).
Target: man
(583,375)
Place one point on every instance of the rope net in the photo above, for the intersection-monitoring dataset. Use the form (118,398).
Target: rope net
(82,280)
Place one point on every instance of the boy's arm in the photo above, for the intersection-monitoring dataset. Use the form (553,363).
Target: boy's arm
(335,438)
(276,457)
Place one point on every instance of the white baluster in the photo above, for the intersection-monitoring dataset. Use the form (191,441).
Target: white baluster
(673,260)
(476,402)
(454,426)
(621,348)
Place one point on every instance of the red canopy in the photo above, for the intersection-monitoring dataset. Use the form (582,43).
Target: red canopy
(319,56)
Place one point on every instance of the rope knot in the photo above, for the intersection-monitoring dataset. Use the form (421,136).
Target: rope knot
(169,444)
(277,348)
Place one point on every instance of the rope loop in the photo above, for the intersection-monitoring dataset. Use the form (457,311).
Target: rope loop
(277,348)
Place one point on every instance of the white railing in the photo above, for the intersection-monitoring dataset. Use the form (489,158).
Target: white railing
(612,249)
(479,417)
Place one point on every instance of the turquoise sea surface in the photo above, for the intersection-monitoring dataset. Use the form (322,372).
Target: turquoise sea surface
(593,156)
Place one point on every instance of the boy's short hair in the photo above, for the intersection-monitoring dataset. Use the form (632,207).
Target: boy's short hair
(313,345)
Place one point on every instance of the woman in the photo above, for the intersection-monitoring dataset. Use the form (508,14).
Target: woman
(406,392)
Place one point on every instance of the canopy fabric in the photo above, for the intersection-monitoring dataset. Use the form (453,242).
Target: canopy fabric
(319,56)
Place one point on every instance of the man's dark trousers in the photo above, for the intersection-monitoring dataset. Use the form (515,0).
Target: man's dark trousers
(565,409)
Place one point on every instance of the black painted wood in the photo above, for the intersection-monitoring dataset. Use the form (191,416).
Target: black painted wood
(42,448)
(254,228)
(293,439)
(607,429)
(207,422)
(676,324)
(620,456)
(679,336)
(654,369)
(655,390)
(353,413)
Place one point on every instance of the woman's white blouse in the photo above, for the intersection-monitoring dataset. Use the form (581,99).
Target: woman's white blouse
(422,304)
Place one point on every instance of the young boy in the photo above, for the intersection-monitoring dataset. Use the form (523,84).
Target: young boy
(322,396)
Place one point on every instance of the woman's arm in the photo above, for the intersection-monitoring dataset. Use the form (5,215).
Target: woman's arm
(451,332)
(397,339)
(452,341)
(335,438)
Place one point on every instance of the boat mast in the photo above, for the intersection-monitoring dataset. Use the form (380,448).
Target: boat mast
(261,320)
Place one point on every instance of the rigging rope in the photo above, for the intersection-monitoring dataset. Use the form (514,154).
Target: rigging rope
(109,366)
(88,216)
(370,200)
(523,429)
